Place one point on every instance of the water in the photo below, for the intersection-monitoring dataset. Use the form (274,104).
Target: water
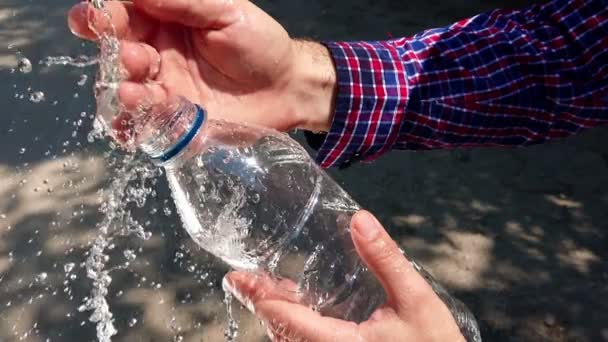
(228,190)
(24,65)
(118,221)
(232,328)
(81,61)
(231,180)
(37,97)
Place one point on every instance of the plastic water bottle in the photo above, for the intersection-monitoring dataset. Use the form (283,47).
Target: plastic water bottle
(255,199)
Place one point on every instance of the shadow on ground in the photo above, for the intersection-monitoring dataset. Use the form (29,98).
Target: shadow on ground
(518,234)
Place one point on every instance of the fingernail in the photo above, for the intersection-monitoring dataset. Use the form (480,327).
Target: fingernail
(367,226)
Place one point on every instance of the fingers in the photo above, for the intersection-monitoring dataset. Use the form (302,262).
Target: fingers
(293,322)
(250,288)
(205,14)
(137,99)
(140,61)
(275,303)
(404,286)
(137,96)
(89,23)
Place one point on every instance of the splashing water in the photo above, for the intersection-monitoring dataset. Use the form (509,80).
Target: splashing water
(232,329)
(37,96)
(113,209)
(118,221)
(24,65)
(79,61)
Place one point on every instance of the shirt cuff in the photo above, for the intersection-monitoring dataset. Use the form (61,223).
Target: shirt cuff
(370,103)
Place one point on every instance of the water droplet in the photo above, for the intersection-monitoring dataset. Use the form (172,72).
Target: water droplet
(22,150)
(83,80)
(167,211)
(129,255)
(68,267)
(37,97)
(24,65)
(41,277)
(132,322)
(191,268)
(255,198)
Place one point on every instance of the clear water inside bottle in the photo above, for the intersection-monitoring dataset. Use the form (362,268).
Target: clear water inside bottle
(255,199)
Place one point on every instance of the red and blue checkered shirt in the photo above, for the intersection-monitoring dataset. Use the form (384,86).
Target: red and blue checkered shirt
(504,78)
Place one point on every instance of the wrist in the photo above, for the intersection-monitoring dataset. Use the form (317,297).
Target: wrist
(312,86)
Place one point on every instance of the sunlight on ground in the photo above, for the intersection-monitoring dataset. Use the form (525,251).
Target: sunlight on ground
(463,259)
(60,189)
(62,186)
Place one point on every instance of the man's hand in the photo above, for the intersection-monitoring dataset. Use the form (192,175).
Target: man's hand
(226,55)
(413,312)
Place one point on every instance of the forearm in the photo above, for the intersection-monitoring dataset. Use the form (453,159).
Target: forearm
(504,78)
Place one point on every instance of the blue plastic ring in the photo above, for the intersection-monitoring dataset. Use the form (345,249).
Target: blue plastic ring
(186,139)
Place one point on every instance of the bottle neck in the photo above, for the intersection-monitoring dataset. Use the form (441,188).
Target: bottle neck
(167,134)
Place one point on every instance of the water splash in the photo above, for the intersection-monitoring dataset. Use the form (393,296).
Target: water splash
(129,189)
(125,190)
(37,96)
(232,329)
(81,61)
(24,65)
(113,210)
(83,80)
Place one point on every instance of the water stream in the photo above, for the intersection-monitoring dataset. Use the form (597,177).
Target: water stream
(131,187)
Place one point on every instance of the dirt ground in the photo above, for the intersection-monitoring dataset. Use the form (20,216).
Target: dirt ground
(520,235)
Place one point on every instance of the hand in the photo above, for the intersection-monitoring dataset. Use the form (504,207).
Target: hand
(413,312)
(226,55)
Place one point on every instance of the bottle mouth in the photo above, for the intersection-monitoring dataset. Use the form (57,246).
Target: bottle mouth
(185,140)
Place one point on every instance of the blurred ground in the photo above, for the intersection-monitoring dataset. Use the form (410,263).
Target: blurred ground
(519,234)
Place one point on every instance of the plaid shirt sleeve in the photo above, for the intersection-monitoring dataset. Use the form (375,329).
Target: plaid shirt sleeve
(504,78)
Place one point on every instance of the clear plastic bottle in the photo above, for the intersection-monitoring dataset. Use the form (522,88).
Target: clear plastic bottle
(255,199)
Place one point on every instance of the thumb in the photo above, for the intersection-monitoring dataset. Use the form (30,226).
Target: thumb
(285,319)
(406,289)
(205,14)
